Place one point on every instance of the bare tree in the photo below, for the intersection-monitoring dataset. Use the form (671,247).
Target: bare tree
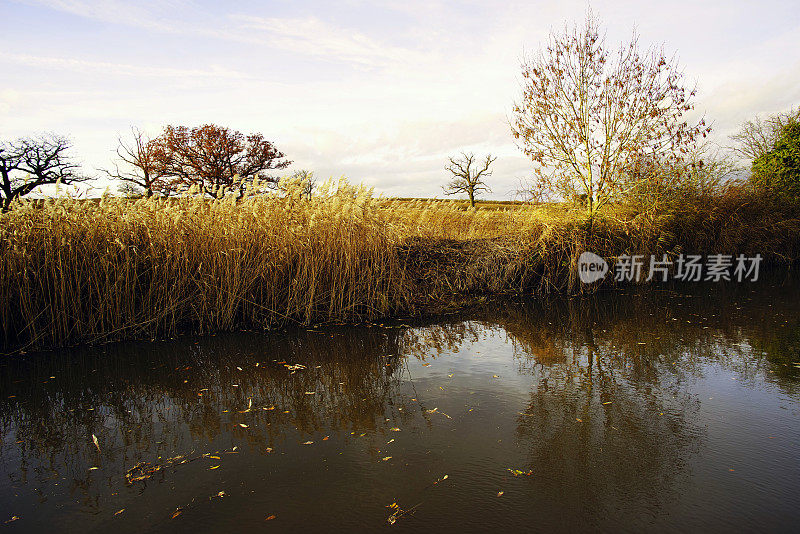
(585,117)
(29,162)
(142,167)
(468,176)
(307,181)
(758,136)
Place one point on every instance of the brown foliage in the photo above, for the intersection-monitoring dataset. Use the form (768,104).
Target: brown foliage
(585,118)
(214,159)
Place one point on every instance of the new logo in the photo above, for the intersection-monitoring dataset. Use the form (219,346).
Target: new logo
(591,267)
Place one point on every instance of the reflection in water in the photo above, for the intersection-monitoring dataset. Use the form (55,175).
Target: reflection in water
(608,400)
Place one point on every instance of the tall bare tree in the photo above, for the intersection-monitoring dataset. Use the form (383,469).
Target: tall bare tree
(29,162)
(468,175)
(586,116)
(216,159)
(142,168)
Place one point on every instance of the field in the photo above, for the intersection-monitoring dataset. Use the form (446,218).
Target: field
(76,271)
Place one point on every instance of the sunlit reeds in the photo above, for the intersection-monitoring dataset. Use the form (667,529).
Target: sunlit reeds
(82,271)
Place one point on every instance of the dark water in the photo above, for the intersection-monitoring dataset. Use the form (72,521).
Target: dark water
(660,411)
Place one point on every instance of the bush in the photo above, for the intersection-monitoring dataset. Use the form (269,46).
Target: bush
(778,171)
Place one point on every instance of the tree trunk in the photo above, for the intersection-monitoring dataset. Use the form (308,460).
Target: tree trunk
(471,198)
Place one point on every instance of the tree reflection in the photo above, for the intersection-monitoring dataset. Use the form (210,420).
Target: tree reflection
(606,414)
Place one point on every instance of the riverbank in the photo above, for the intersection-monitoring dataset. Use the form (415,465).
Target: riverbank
(88,272)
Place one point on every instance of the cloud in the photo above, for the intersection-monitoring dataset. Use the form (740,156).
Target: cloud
(151,14)
(117,69)
(379,91)
(313,37)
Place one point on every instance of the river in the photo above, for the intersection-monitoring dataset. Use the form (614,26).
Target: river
(662,409)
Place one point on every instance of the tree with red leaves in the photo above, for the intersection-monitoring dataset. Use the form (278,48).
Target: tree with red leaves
(214,159)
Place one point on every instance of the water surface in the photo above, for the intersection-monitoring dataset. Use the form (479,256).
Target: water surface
(666,410)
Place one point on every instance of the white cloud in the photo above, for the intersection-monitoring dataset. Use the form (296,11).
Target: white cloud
(313,37)
(116,69)
(383,97)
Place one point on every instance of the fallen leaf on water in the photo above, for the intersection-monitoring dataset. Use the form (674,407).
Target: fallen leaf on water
(432,411)
(270,517)
(518,473)
(391,440)
(13,518)
(93,468)
(239,368)
(308,443)
(215,457)
(96,443)
(579,420)
(500,493)
(176,513)
(119,511)
(243,425)
(395,429)
(609,402)
(326,438)
(311,392)
(220,494)
(268,449)
(425,364)
(495,376)
(386,458)
(214,467)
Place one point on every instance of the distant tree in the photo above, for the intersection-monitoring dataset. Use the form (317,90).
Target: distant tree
(585,117)
(757,137)
(142,166)
(301,183)
(29,162)
(778,170)
(130,190)
(307,181)
(215,159)
(468,175)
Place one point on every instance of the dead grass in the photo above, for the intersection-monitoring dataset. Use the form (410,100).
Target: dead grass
(75,271)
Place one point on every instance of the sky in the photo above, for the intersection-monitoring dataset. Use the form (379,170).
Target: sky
(381,92)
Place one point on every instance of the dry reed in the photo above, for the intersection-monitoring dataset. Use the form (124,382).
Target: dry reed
(77,271)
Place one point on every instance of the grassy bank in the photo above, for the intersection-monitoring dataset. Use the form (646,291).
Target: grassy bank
(75,271)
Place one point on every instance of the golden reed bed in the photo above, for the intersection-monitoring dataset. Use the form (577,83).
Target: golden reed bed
(77,271)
